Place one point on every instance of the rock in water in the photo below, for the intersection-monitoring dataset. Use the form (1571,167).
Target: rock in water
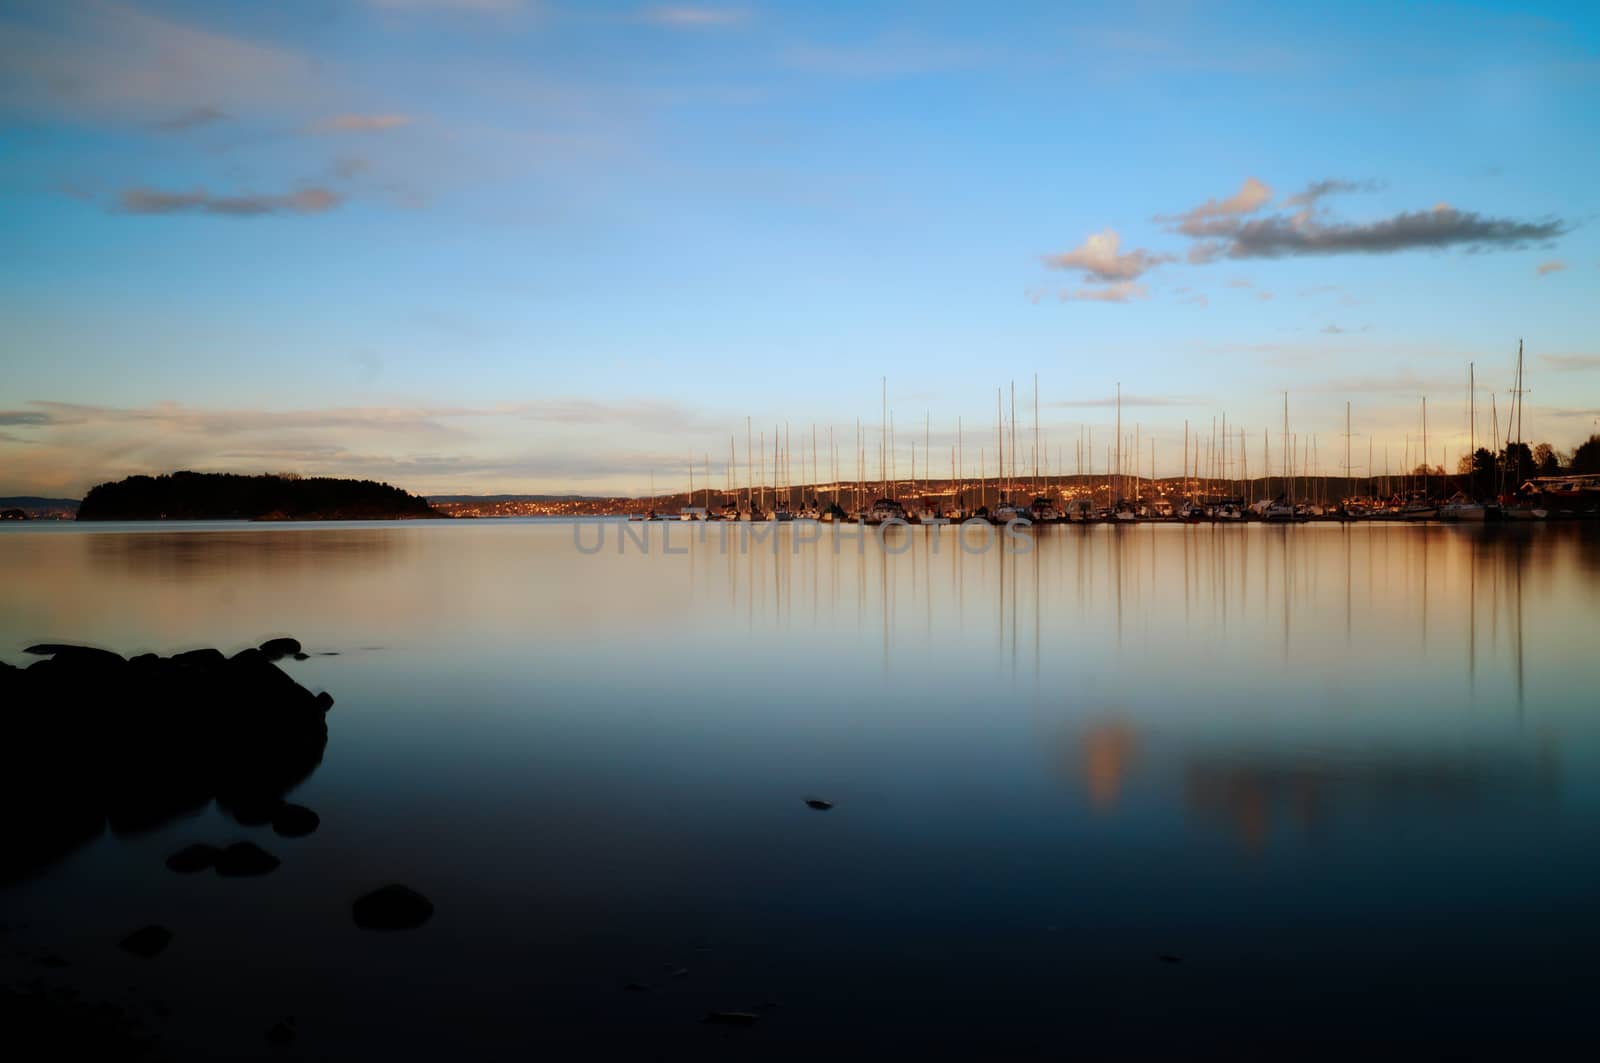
(147,941)
(394,907)
(192,858)
(731,1018)
(245,858)
(818,803)
(295,821)
(284,647)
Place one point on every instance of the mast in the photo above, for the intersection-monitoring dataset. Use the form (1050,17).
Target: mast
(961,463)
(1011,487)
(1036,434)
(1000,442)
(1288,477)
(749,481)
(883,442)
(1424,445)
(1117,479)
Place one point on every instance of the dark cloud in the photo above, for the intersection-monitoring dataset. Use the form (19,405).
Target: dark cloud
(1437,229)
(312,200)
(190,119)
(1332,186)
(23,417)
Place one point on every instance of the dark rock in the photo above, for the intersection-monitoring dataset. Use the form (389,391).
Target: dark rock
(301,656)
(1167,957)
(253,812)
(394,907)
(294,821)
(324,700)
(245,858)
(731,1018)
(206,660)
(139,743)
(281,1033)
(818,803)
(283,647)
(636,987)
(148,942)
(192,858)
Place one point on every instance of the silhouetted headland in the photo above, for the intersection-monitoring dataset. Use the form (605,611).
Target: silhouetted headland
(96,738)
(226,496)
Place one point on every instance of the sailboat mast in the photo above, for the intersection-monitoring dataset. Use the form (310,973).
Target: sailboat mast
(1116,479)
(883,442)
(1424,444)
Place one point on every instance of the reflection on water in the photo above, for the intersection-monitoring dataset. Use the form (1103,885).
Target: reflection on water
(1280,751)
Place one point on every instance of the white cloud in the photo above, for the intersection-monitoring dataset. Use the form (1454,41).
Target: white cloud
(1120,292)
(1217,214)
(1103,261)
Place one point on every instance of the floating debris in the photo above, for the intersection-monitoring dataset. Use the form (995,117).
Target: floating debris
(245,858)
(294,821)
(394,907)
(818,803)
(192,858)
(147,942)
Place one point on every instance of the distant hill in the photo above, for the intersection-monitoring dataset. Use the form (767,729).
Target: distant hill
(33,507)
(35,502)
(510,498)
(225,496)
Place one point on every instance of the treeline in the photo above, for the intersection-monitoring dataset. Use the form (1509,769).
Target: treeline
(225,496)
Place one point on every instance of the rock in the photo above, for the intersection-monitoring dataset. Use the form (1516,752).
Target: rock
(192,858)
(281,1033)
(148,942)
(324,700)
(135,743)
(281,647)
(206,660)
(731,1018)
(818,803)
(636,987)
(254,812)
(1167,957)
(301,656)
(394,907)
(294,821)
(245,858)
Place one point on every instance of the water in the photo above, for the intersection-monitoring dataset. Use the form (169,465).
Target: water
(1347,776)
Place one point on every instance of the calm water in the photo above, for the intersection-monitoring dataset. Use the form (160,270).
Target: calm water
(1350,776)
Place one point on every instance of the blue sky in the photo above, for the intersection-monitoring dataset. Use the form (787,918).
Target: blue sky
(488,245)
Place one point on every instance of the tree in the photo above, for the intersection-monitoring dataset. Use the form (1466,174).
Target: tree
(1481,474)
(1546,458)
(1586,458)
(1518,461)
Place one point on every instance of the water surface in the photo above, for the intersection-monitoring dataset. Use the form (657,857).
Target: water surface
(1348,777)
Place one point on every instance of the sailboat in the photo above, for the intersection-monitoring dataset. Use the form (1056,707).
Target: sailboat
(1461,505)
(1519,507)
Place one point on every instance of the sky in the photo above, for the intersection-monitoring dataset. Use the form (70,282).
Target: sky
(474,246)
